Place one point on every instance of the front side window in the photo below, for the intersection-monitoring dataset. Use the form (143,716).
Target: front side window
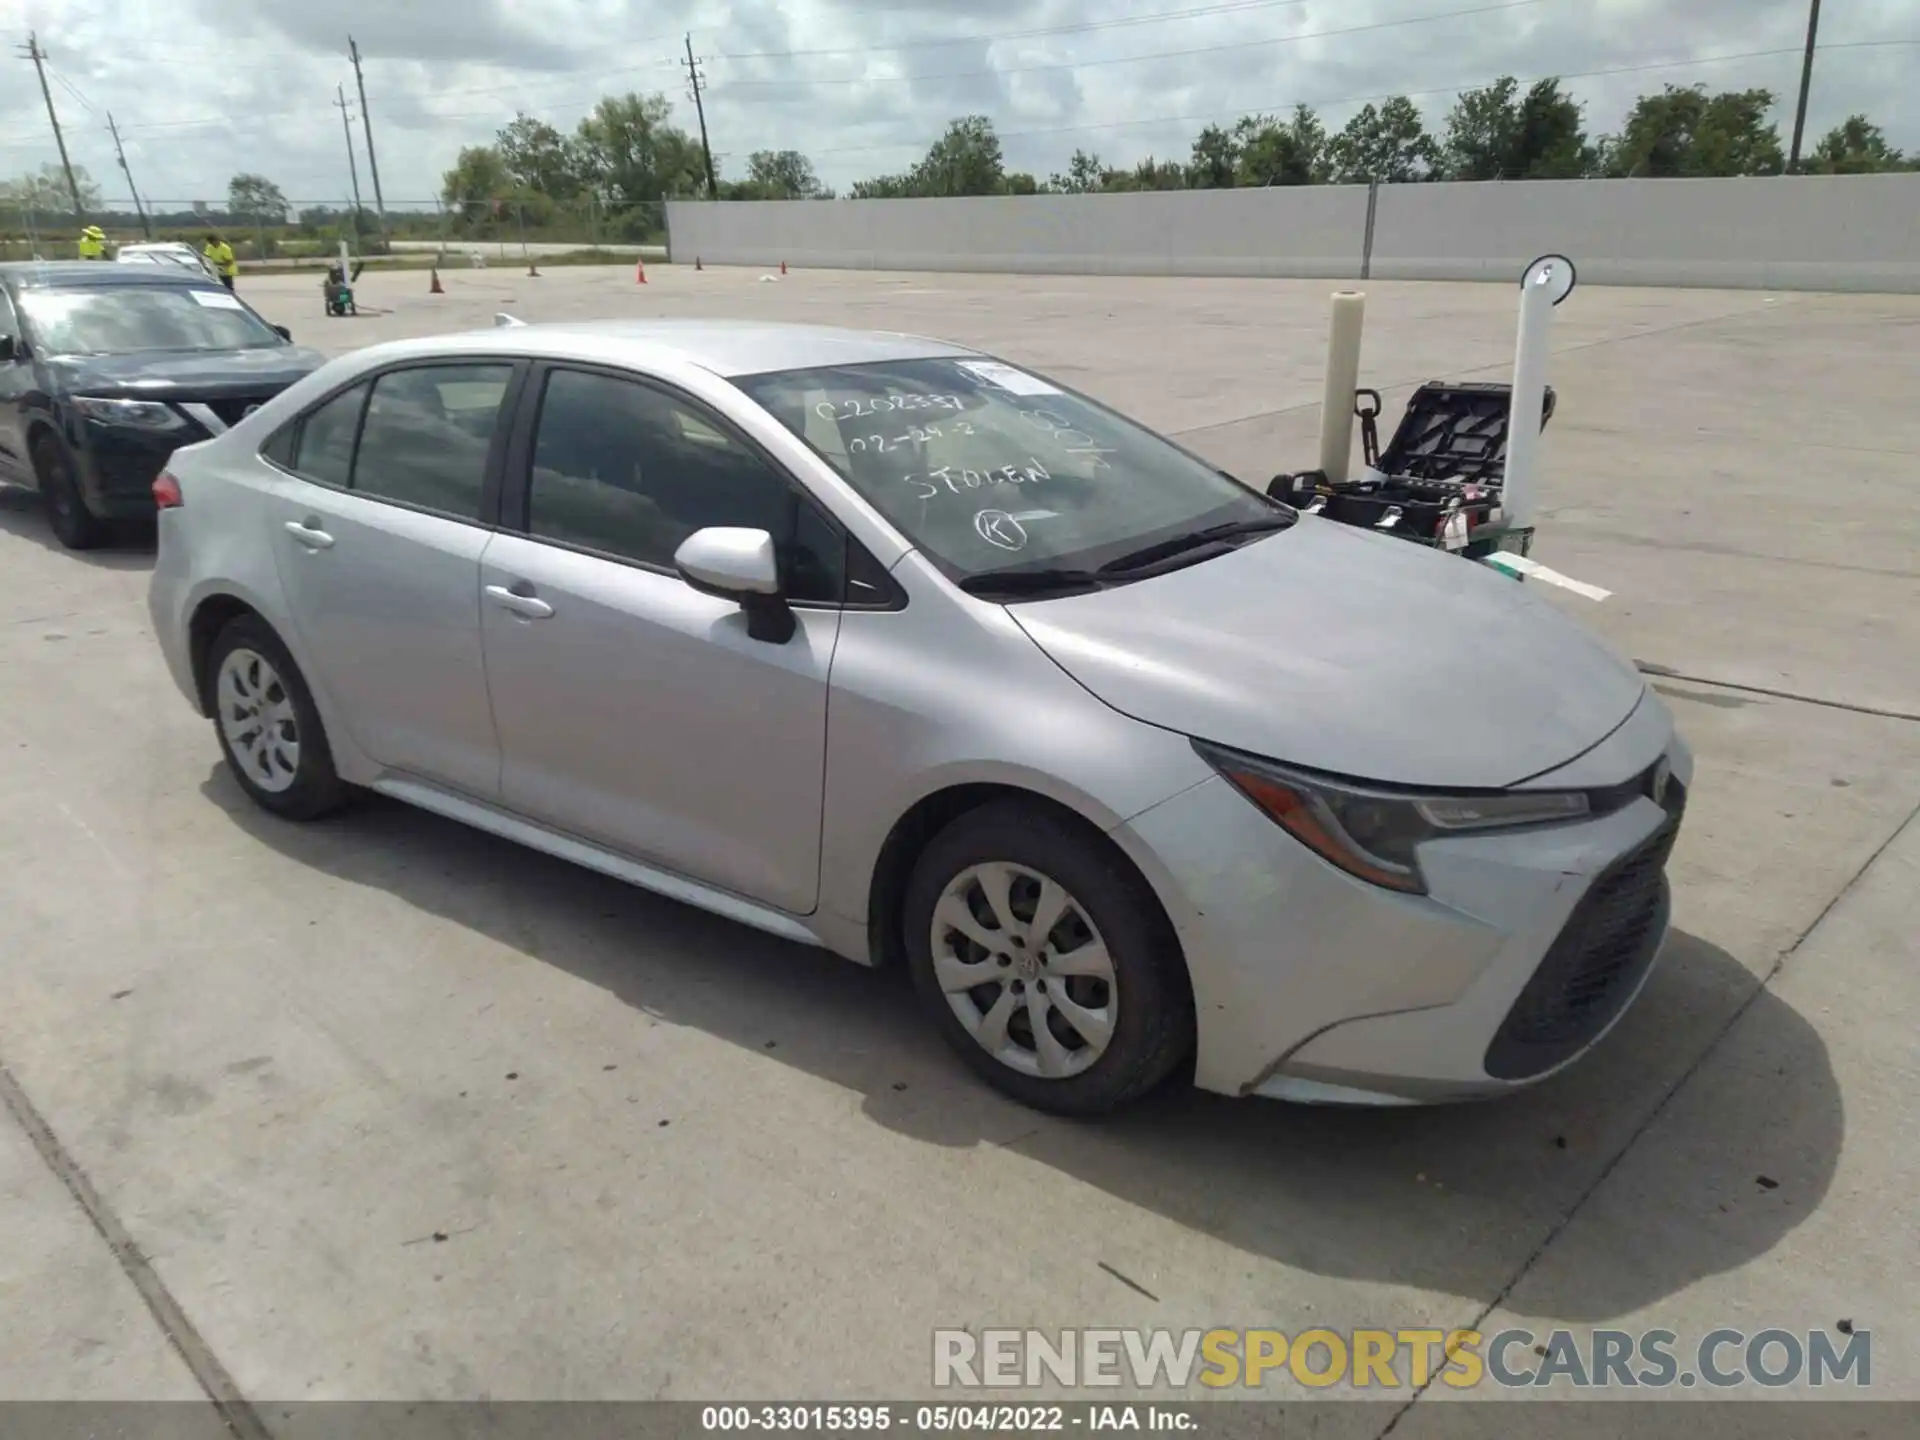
(427,435)
(131,319)
(987,468)
(630,471)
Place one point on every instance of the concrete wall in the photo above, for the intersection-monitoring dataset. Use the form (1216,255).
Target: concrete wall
(1859,232)
(1814,232)
(1313,232)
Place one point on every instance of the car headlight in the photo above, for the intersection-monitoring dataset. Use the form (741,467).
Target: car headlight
(138,414)
(1373,832)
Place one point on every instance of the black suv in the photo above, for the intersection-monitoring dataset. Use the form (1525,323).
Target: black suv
(106,370)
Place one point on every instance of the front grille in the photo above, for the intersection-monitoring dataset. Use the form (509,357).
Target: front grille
(1596,963)
(232,409)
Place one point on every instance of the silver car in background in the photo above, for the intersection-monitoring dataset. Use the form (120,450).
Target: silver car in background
(885,645)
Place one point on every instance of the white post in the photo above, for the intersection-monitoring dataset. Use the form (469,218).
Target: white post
(346,266)
(1548,281)
(1343,374)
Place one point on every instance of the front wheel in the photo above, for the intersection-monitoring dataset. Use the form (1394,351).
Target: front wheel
(268,725)
(1046,962)
(74,525)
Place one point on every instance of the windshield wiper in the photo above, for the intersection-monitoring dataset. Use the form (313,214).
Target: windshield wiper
(1197,539)
(1029,582)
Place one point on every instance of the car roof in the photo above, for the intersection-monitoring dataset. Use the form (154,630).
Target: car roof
(45,274)
(729,348)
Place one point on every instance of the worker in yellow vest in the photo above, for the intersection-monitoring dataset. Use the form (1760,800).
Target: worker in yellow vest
(93,243)
(219,255)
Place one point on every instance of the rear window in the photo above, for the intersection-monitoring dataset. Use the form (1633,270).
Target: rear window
(131,319)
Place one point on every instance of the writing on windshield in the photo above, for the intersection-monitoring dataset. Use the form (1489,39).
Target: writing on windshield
(981,464)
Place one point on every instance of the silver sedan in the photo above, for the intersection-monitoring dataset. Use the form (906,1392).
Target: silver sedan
(888,646)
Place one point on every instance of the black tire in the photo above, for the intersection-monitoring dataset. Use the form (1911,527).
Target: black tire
(1155,1029)
(316,788)
(73,524)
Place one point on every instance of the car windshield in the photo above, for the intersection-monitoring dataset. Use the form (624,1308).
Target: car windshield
(992,471)
(119,319)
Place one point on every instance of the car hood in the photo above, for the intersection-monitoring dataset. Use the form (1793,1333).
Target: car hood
(1342,651)
(194,374)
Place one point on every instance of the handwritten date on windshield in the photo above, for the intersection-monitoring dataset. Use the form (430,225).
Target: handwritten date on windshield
(916,435)
(956,478)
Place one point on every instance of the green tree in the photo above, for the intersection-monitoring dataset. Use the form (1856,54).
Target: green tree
(1085,174)
(538,157)
(629,155)
(45,191)
(1215,160)
(1856,146)
(1389,144)
(477,181)
(1268,152)
(783,175)
(1495,133)
(964,161)
(1684,131)
(1021,183)
(257,199)
(885,187)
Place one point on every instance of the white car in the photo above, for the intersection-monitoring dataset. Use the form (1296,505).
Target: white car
(165,252)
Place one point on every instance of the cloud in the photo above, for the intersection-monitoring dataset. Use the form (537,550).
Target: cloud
(204,88)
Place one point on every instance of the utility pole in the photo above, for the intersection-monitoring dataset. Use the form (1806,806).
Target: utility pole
(34,53)
(1806,85)
(146,225)
(699,106)
(366,124)
(352,169)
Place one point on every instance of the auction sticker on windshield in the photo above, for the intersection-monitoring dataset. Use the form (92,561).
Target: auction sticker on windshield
(216,299)
(1005,377)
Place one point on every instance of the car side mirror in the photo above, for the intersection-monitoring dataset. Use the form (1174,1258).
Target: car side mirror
(739,565)
(284,333)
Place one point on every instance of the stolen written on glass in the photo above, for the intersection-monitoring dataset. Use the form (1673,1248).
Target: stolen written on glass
(958,477)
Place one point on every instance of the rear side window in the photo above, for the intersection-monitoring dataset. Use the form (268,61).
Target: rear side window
(324,451)
(427,435)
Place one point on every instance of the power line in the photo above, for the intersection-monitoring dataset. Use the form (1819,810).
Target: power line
(1159,56)
(1232,7)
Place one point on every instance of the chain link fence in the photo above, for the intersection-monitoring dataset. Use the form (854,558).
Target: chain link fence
(312,231)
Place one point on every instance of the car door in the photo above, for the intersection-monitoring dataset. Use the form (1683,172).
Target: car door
(632,709)
(16,379)
(378,521)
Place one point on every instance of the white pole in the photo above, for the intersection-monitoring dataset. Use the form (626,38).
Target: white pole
(1548,281)
(346,265)
(1343,374)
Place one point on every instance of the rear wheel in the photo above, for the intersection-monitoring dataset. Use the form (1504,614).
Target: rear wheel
(74,525)
(1045,962)
(269,728)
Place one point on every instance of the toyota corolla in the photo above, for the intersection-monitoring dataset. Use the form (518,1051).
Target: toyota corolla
(888,646)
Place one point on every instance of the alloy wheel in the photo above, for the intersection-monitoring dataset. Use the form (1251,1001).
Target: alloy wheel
(1025,969)
(257,720)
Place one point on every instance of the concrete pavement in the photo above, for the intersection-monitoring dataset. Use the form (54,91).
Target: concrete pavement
(396,1110)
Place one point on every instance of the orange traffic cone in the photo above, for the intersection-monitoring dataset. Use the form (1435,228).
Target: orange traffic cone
(436,288)
(783,267)
(640,272)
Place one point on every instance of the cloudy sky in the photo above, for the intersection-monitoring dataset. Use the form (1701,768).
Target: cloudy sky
(203,88)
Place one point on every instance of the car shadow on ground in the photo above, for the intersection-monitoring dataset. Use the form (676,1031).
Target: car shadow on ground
(1439,1198)
(130,545)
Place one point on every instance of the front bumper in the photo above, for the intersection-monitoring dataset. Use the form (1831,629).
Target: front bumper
(1312,985)
(118,467)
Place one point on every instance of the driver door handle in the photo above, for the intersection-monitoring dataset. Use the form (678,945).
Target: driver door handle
(531,607)
(309,534)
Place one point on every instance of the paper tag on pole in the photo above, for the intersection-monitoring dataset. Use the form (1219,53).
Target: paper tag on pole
(216,299)
(1005,377)
(1523,567)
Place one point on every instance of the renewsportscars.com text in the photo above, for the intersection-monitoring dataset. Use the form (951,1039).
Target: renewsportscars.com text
(1401,1359)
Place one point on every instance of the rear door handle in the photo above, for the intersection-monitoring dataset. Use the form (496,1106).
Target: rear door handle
(532,607)
(309,534)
